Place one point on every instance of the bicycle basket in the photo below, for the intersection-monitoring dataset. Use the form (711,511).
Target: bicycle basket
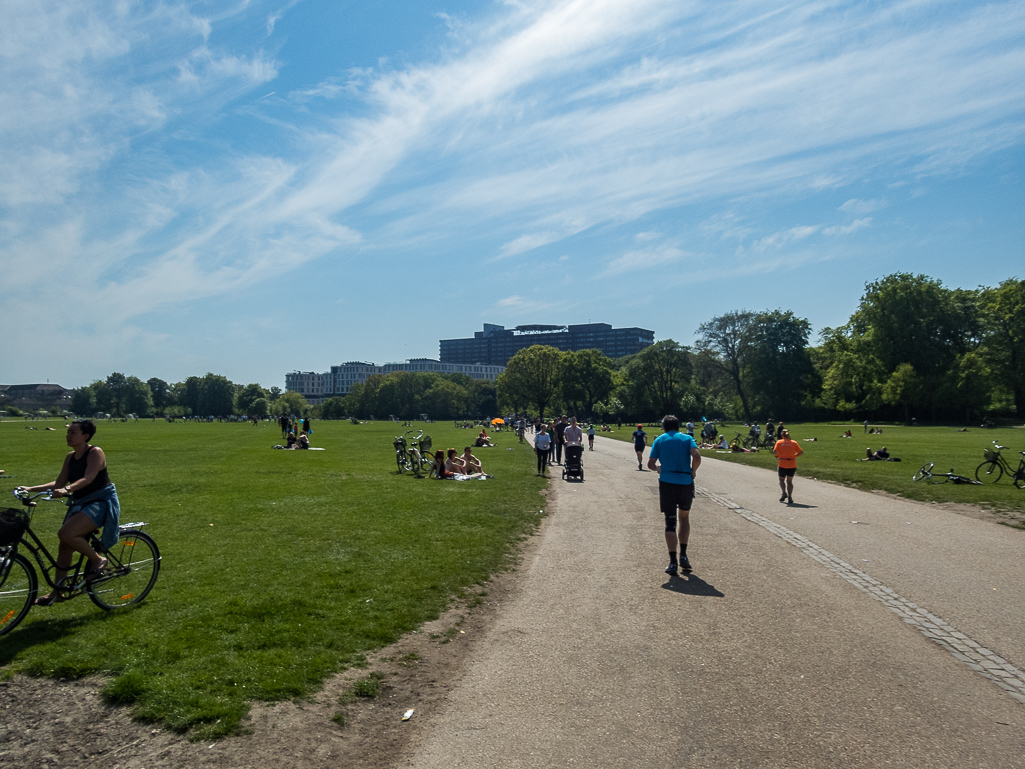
(13,523)
(399,443)
(990,455)
(425,444)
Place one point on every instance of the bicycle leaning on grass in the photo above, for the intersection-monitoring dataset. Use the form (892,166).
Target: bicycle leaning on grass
(925,473)
(416,458)
(133,564)
(995,465)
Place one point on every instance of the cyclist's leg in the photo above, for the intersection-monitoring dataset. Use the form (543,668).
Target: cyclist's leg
(73,536)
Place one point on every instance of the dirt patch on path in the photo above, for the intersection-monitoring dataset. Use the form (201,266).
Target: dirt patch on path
(50,724)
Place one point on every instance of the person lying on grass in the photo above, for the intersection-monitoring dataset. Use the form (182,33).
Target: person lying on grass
(736,448)
(875,456)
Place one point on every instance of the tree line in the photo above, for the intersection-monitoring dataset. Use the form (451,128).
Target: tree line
(912,348)
(211,395)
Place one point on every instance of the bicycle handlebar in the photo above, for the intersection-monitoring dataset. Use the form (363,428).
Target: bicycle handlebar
(29,499)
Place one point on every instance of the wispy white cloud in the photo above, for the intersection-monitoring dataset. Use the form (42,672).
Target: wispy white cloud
(847,229)
(541,123)
(857,206)
(786,237)
(644,259)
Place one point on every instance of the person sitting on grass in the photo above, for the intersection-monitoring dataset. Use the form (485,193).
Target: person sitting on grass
(303,442)
(440,472)
(454,464)
(482,440)
(292,440)
(875,456)
(847,434)
(470,463)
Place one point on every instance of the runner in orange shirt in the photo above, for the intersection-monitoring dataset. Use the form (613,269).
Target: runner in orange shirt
(787,452)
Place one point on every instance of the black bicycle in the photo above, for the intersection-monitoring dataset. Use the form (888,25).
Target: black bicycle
(421,458)
(133,564)
(925,473)
(993,469)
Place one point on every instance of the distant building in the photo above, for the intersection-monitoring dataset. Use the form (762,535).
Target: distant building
(495,345)
(32,397)
(316,388)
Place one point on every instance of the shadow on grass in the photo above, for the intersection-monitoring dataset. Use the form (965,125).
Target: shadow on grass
(38,632)
(692,584)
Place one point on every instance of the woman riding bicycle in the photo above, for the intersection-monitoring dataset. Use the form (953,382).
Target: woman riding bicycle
(92,504)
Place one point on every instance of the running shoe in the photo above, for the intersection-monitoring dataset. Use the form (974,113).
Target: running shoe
(671,569)
(782,497)
(685,563)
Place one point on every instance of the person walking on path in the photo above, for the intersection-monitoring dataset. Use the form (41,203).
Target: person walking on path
(542,445)
(787,452)
(560,440)
(573,435)
(680,460)
(640,441)
(590,437)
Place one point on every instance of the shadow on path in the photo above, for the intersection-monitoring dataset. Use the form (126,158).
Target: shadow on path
(692,584)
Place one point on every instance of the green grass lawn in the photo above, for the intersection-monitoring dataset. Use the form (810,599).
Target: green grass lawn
(833,458)
(279,568)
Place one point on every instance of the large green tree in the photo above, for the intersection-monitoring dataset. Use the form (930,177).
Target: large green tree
(1003,320)
(117,384)
(533,375)
(138,398)
(217,396)
(161,393)
(586,379)
(723,339)
(777,364)
(247,396)
(656,379)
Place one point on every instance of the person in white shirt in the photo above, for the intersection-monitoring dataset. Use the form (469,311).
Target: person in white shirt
(542,446)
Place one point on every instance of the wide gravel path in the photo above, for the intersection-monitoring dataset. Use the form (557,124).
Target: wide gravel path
(850,629)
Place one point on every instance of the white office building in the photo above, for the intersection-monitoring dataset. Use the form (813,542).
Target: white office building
(315,388)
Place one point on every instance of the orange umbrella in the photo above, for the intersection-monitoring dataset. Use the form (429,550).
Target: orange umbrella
(498,421)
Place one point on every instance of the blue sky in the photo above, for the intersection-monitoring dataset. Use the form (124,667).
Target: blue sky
(251,188)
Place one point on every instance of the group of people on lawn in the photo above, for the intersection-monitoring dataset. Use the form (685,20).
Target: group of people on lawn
(449,464)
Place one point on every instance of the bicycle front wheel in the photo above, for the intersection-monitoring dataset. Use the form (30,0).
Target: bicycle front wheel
(988,472)
(132,568)
(18,586)
(923,472)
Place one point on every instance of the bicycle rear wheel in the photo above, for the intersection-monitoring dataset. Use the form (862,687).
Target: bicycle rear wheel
(18,587)
(923,472)
(132,565)
(989,472)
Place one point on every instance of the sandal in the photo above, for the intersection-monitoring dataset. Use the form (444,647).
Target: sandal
(50,600)
(91,575)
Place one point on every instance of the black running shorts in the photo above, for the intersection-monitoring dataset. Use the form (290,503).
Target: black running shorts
(674,495)
(787,472)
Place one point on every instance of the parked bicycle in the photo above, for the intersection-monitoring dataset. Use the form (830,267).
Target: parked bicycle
(925,473)
(133,564)
(993,469)
(746,440)
(421,458)
(417,459)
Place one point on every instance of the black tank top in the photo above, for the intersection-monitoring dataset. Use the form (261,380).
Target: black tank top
(76,472)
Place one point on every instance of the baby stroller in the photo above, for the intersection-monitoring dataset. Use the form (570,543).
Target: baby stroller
(573,468)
